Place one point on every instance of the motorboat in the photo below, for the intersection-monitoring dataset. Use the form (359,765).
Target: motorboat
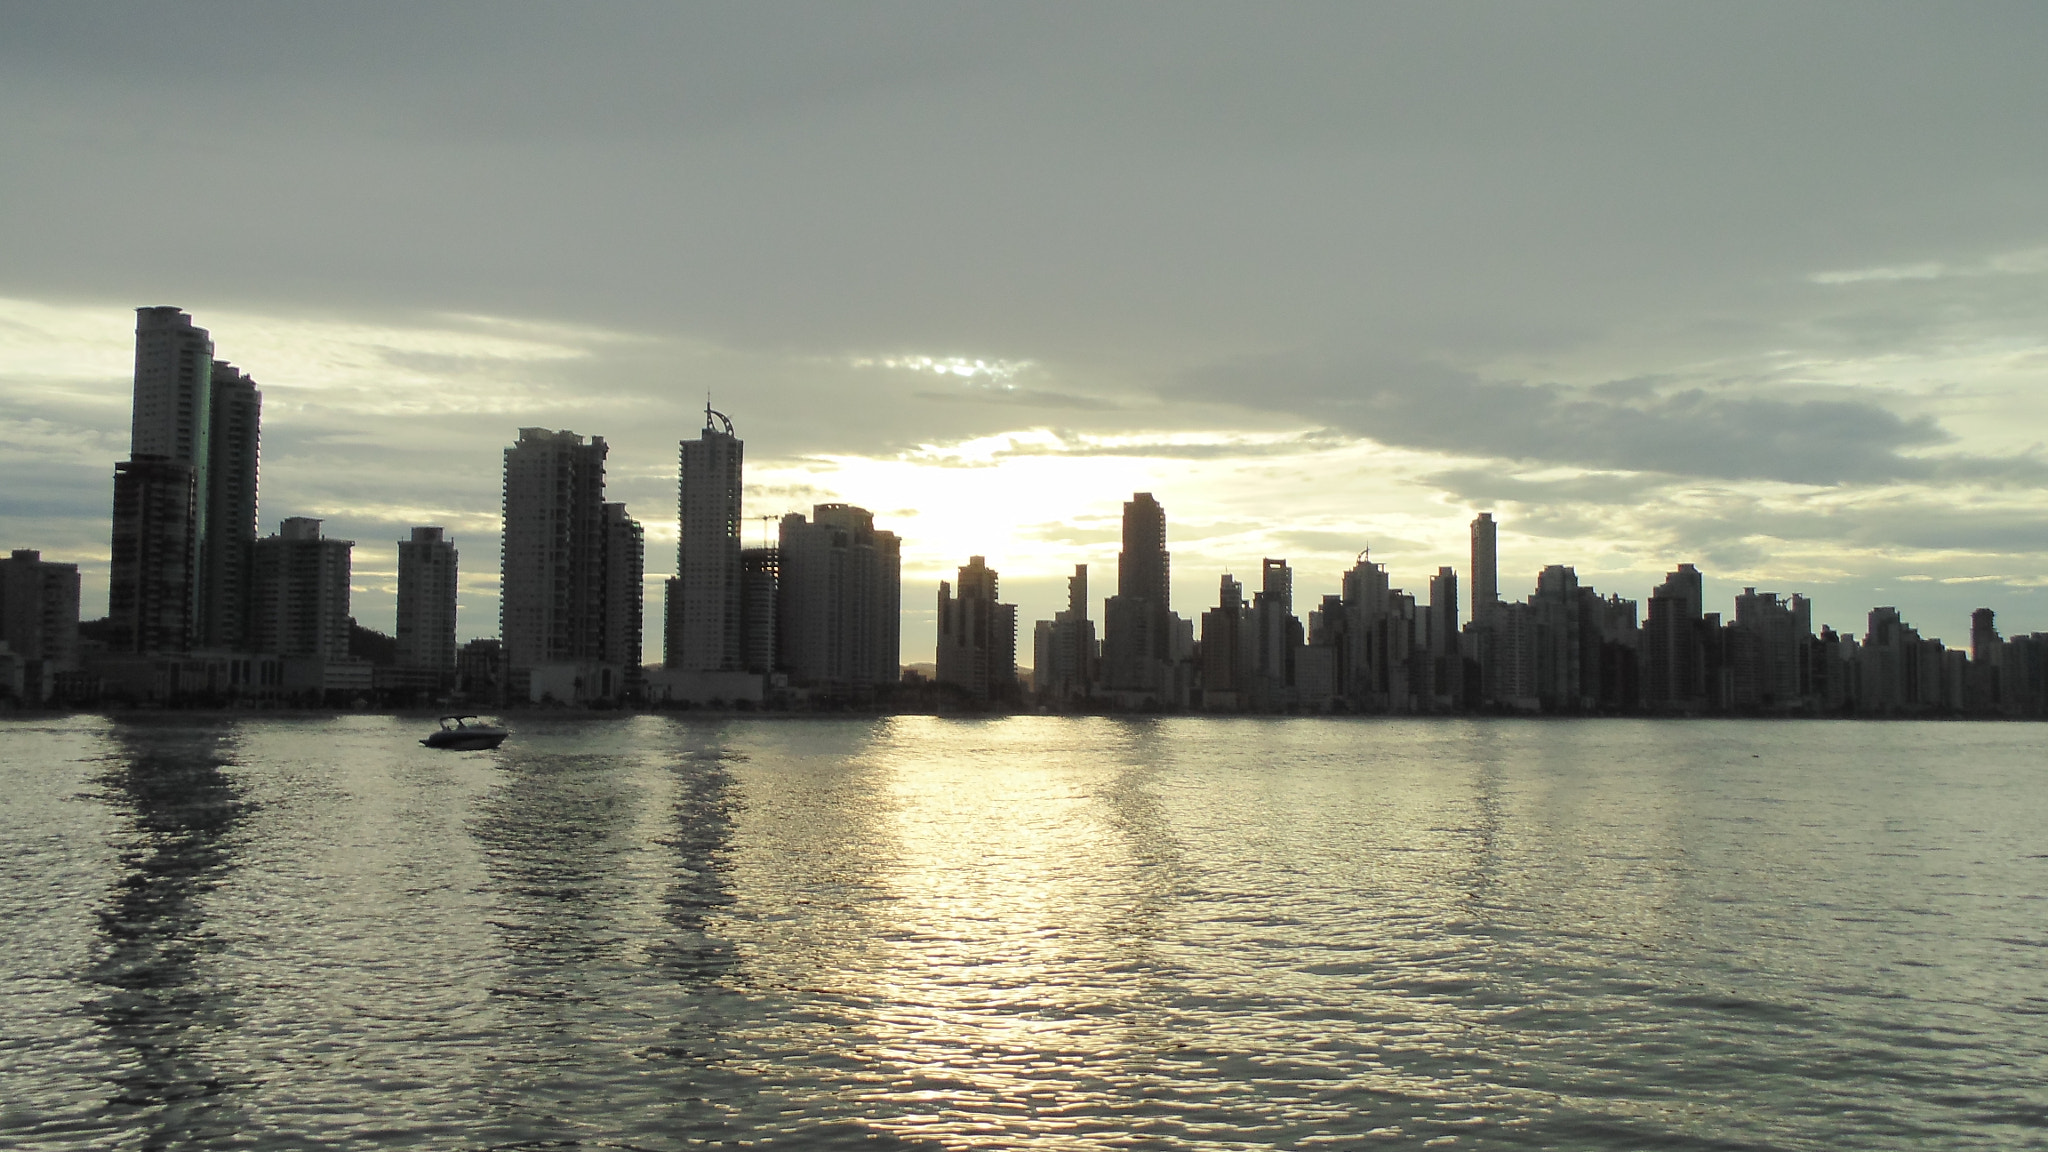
(458,736)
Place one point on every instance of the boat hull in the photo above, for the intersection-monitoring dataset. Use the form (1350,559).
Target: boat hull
(468,740)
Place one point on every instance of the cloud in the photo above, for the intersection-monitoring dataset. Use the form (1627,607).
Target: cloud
(1725,434)
(2030,262)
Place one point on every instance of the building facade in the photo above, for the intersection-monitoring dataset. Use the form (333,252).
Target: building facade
(702,630)
(151,584)
(427,590)
(840,600)
(39,620)
(977,636)
(301,593)
(1137,632)
(228,538)
(552,582)
(1065,652)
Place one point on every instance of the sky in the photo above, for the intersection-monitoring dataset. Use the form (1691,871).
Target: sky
(1758,287)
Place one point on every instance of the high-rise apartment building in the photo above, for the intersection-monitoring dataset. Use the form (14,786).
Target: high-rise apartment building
(760,597)
(1769,651)
(228,539)
(150,576)
(840,594)
(623,580)
(1229,648)
(977,636)
(184,522)
(1278,634)
(1064,647)
(1137,630)
(1485,566)
(171,418)
(1673,650)
(702,632)
(426,601)
(39,618)
(1446,671)
(301,592)
(1555,641)
(551,606)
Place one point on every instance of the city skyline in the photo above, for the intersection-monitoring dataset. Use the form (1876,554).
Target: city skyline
(1656,287)
(237,424)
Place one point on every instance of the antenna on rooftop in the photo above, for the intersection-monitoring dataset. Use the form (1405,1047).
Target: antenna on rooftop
(709,412)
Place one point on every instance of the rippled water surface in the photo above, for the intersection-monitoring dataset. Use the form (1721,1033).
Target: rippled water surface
(1182,933)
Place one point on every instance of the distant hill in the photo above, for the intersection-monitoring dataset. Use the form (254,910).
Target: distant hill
(369,644)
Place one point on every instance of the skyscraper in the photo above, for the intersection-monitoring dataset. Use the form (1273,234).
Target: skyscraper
(426,601)
(171,418)
(1446,672)
(184,517)
(1278,632)
(840,596)
(760,595)
(702,632)
(1138,637)
(1556,651)
(150,578)
(624,574)
(1229,648)
(228,539)
(977,636)
(39,618)
(1673,655)
(552,586)
(1064,659)
(301,589)
(1144,567)
(1485,567)
(160,492)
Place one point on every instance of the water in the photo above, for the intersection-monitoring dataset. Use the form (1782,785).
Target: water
(1179,933)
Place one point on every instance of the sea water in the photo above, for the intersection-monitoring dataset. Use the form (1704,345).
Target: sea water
(656,932)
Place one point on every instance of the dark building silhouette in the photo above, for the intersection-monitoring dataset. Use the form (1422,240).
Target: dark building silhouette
(760,593)
(1137,630)
(840,596)
(977,636)
(1064,648)
(1229,649)
(184,516)
(301,582)
(39,619)
(1674,655)
(1277,636)
(151,596)
(1445,679)
(554,527)
(1769,652)
(1485,566)
(235,420)
(620,613)
(1554,640)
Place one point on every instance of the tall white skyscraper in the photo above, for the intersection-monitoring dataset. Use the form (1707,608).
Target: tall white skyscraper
(703,632)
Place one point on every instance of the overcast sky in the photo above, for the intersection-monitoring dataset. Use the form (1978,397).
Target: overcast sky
(1763,288)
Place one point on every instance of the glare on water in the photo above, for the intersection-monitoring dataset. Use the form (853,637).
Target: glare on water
(1180,933)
